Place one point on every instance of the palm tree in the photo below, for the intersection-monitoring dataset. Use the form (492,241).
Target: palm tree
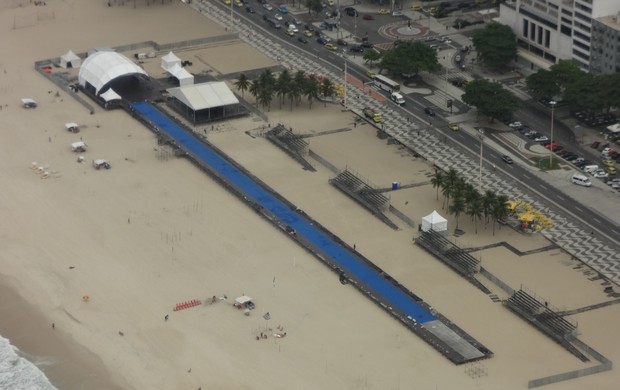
(242,84)
(498,209)
(437,181)
(255,89)
(457,207)
(297,87)
(328,90)
(283,85)
(448,185)
(474,210)
(265,96)
(311,89)
(488,200)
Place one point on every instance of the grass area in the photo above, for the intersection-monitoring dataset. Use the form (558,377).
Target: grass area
(544,163)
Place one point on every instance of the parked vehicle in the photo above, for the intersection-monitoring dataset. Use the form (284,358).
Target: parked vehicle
(507,159)
(541,138)
(428,111)
(373,115)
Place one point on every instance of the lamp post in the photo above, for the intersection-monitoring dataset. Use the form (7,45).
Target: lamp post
(481,137)
(344,55)
(552,104)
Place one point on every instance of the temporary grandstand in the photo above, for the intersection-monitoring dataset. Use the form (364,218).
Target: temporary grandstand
(545,319)
(372,199)
(294,145)
(453,256)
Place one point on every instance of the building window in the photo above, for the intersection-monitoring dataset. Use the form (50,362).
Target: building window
(547,38)
(566,30)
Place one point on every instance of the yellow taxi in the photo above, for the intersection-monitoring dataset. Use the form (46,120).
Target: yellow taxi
(308,33)
(454,127)
(238,3)
(608,163)
(331,46)
(383,11)
(371,74)
(227,2)
(416,7)
(611,170)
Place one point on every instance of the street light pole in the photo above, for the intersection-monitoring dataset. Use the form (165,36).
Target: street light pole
(552,103)
(344,55)
(481,137)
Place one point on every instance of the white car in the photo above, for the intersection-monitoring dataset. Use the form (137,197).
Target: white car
(601,174)
(613,181)
(541,139)
(278,16)
(515,125)
(267,6)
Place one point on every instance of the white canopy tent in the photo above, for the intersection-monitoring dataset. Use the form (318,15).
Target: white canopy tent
(170,60)
(70,60)
(72,127)
(435,222)
(29,103)
(184,77)
(206,95)
(615,128)
(110,95)
(78,146)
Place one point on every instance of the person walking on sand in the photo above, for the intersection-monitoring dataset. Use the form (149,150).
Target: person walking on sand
(166,317)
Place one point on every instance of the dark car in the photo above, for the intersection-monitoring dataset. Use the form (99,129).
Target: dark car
(302,39)
(356,49)
(250,10)
(366,45)
(341,42)
(507,159)
(351,11)
(309,27)
(428,111)
(321,40)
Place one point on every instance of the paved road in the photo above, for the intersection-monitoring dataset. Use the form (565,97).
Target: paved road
(574,223)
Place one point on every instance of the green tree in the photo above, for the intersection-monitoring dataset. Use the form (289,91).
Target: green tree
(543,83)
(498,210)
(314,5)
(488,200)
(282,85)
(297,86)
(371,55)
(475,209)
(584,92)
(448,185)
(311,89)
(609,90)
(496,45)
(410,57)
(254,90)
(242,84)
(490,99)
(437,181)
(328,90)
(457,208)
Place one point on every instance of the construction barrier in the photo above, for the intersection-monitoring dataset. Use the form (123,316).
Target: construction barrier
(187,304)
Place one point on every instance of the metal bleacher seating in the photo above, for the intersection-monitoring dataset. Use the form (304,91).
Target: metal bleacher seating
(291,143)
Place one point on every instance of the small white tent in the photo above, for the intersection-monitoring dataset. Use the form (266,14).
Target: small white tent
(184,77)
(70,60)
(170,60)
(435,222)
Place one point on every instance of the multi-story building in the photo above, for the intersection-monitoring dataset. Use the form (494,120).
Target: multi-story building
(551,30)
(605,48)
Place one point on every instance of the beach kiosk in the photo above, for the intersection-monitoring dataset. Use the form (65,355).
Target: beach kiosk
(78,147)
(72,127)
(244,302)
(29,103)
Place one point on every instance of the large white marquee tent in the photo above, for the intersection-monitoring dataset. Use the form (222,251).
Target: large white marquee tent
(101,67)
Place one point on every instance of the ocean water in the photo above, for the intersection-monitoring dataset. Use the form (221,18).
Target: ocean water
(17,373)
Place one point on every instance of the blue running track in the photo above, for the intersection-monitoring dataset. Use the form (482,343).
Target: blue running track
(381,288)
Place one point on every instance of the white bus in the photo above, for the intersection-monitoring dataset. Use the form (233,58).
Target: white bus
(387,84)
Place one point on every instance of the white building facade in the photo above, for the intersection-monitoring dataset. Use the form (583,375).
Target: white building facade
(551,30)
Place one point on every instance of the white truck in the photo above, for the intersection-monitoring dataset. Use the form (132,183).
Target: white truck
(397,98)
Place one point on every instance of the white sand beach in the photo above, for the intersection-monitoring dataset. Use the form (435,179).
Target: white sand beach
(154,231)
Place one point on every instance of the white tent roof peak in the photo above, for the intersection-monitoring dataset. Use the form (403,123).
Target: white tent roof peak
(435,222)
(110,94)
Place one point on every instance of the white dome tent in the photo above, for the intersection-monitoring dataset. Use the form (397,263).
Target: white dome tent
(101,67)
(434,221)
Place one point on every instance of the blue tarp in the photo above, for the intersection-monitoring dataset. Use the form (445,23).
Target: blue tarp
(381,288)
